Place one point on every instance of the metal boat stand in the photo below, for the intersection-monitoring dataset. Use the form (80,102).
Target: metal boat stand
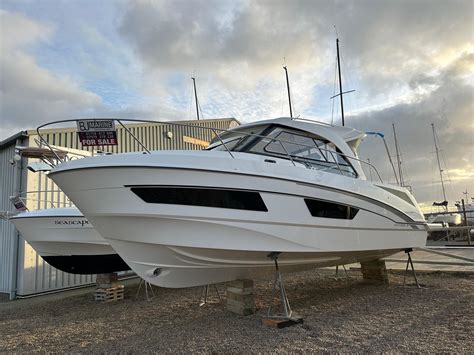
(410,262)
(288,317)
(336,276)
(147,286)
(205,293)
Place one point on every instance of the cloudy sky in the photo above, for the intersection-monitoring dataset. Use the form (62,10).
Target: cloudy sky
(410,62)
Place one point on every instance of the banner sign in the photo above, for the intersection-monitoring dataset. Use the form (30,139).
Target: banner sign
(195,141)
(97,132)
(18,203)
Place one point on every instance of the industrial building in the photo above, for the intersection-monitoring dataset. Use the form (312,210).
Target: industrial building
(23,272)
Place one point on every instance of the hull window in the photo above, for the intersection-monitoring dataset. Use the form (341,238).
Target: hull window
(325,209)
(204,197)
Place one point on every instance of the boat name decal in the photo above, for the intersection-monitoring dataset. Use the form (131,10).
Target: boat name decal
(81,222)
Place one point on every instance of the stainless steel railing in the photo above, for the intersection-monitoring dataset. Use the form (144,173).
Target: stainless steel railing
(334,166)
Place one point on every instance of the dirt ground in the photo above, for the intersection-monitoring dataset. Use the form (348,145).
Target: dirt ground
(344,315)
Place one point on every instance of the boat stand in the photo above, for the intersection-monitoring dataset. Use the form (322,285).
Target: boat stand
(147,286)
(205,293)
(288,318)
(337,272)
(410,262)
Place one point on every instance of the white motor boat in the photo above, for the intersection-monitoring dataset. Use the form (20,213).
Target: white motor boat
(449,218)
(66,240)
(188,218)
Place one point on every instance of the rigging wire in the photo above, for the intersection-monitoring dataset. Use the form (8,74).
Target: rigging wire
(200,109)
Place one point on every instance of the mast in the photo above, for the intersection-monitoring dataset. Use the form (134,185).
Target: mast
(399,160)
(288,89)
(340,81)
(196,98)
(390,158)
(439,163)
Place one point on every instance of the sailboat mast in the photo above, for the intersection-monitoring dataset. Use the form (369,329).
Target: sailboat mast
(439,163)
(399,160)
(340,81)
(288,89)
(196,98)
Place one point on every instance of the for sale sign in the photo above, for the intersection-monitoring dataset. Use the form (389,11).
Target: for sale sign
(18,203)
(97,132)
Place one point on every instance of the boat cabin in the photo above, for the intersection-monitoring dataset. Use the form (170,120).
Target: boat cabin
(289,141)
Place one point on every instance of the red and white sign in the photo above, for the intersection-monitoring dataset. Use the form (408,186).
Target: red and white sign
(97,132)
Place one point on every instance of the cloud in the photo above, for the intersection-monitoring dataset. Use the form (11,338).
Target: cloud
(450,106)
(409,61)
(30,94)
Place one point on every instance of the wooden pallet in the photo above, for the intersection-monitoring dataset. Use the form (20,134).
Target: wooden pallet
(109,294)
(282,322)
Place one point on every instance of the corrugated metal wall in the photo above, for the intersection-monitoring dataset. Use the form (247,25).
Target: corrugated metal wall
(152,136)
(8,235)
(36,276)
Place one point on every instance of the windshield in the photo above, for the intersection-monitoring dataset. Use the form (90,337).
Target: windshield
(286,143)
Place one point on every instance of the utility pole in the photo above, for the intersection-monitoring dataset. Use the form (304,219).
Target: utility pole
(196,98)
(288,89)
(465,222)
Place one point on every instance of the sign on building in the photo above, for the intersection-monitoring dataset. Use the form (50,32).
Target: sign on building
(97,132)
(18,203)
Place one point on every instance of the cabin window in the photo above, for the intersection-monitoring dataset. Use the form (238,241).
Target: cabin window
(204,197)
(229,142)
(312,151)
(324,209)
(296,146)
(236,139)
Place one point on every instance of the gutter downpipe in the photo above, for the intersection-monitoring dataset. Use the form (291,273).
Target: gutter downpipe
(17,177)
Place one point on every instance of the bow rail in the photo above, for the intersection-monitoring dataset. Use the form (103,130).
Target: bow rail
(332,166)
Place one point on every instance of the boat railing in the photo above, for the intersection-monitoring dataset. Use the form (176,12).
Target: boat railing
(27,196)
(341,166)
(313,121)
(341,163)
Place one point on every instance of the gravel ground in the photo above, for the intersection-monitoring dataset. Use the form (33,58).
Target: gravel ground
(344,315)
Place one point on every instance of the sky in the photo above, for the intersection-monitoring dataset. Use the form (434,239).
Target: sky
(410,62)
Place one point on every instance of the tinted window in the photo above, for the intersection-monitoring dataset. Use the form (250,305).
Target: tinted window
(325,209)
(296,146)
(205,197)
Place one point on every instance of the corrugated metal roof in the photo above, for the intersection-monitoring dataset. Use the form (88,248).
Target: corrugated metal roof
(12,140)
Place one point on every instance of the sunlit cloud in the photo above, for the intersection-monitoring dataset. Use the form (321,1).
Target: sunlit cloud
(410,63)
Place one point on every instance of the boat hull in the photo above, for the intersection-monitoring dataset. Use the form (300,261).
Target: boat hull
(175,245)
(452,219)
(68,242)
(168,264)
